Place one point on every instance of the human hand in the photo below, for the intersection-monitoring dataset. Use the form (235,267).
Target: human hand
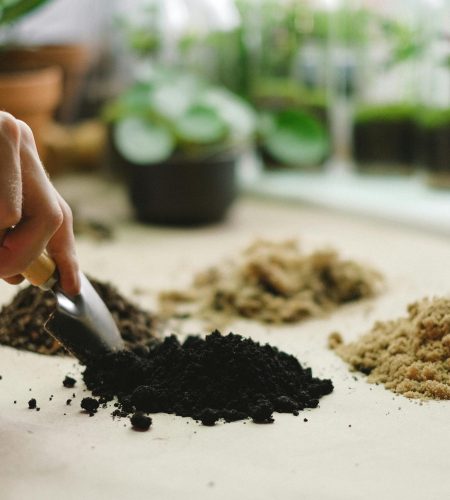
(30,207)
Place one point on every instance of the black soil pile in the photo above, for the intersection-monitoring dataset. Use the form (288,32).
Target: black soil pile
(22,320)
(219,377)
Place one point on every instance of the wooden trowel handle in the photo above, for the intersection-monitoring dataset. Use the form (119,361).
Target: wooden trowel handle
(41,271)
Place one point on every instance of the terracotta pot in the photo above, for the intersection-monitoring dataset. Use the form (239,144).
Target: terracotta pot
(74,60)
(32,96)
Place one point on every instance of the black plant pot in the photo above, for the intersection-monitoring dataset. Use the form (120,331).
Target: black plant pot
(183,191)
(436,154)
(379,143)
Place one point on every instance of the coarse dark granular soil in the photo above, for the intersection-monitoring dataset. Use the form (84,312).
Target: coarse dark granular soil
(22,320)
(32,404)
(219,377)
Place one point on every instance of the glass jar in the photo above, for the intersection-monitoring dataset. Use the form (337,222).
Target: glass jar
(384,118)
(433,117)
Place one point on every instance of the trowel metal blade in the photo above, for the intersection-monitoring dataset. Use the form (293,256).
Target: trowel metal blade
(83,324)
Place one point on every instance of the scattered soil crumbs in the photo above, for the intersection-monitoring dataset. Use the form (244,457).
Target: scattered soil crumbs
(22,321)
(219,377)
(273,282)
(410,355)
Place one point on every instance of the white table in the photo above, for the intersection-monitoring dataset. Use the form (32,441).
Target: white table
(395,448)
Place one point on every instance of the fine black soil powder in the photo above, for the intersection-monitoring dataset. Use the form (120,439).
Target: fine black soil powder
(219,377)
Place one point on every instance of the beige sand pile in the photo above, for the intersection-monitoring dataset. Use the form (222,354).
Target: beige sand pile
(273,282)
(410,355)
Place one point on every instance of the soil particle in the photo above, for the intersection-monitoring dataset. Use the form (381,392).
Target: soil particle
(140,421)
(90,405)
(69,382)
(217,378)
(32,404)
(22,320)
(68,402)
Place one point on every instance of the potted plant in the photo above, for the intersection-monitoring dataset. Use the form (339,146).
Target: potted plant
(384,123)
(178,139)
(31,94)
(434,130)
(72,58)
(384,137)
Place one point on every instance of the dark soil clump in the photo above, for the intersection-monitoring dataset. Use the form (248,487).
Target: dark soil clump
(22,320)
(217,378)
(90,405)
(140,421)
(69,382)
(32,404)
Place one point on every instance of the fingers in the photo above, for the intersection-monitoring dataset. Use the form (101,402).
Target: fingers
(10,174)
(41,218)
(41,213)
(61,248)
(15,280)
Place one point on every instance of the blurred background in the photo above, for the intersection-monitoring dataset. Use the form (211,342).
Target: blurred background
(186,104)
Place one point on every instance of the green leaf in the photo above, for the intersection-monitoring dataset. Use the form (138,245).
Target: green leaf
(136,101)
(142,142)
(174,98)
(296,138)
(143,42)
(446,62)
(238,115)
(201,125)
(266,124)
(15,9)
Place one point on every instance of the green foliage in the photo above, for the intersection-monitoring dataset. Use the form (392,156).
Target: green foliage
(173,111)
(12,11)
(142,142)
(406,42)
(385,112)
(289,92)
(201,124)
(347,26)
(294,138)
(433,118)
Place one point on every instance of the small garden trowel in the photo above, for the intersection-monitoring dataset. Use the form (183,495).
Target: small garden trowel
(83,324)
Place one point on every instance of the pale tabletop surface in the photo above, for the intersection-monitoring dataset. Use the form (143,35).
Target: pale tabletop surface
(361,443)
